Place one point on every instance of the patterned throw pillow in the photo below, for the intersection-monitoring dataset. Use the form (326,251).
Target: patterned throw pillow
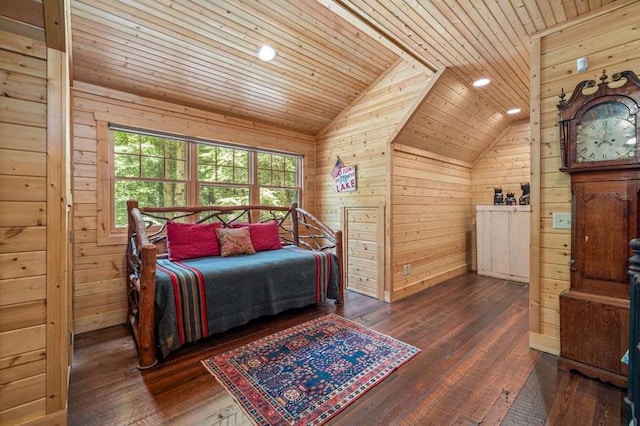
(234,241)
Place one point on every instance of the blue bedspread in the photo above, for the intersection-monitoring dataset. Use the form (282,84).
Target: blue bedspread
(199,297)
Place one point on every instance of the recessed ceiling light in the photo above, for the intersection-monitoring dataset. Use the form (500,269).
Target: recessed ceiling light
(514,111)
(481,82)
(267,53)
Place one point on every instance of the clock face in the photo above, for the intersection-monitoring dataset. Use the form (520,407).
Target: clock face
(607,132)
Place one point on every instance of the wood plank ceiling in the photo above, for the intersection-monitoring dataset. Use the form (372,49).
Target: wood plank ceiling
(203,53)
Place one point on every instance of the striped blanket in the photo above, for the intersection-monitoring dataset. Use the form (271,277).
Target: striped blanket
(199,297)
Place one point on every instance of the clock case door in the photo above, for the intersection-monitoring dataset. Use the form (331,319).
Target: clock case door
(605,211)
(572,112)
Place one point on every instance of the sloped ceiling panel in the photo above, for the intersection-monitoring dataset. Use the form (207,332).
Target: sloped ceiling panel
(203,54)
(454,121)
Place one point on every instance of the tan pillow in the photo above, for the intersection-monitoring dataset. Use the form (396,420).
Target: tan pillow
(234,241)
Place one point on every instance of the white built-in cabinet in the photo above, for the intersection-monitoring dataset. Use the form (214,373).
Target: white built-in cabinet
(503,241)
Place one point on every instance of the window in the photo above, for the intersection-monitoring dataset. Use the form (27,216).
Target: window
(162,171)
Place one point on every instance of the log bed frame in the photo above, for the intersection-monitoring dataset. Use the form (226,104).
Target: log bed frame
(146,243)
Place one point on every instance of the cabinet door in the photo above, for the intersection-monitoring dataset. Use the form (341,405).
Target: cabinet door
(519,236)
(605,221)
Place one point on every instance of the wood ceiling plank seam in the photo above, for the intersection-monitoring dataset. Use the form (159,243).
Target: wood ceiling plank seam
(81,27)
(541,12)
(431,54)
(582,6)
(471,20)
(388,91)
(188,103)
(91,98)
(273,29)
(474,57)
(96,77)
(498,140)
(102,17)
(336,50)
(253,108)
(491,8)
(512,17)
(570,9)
(486,95)
(299,67)
(475,127)
(462,95)
(523,16)
(374,49)
(403,16)
(206,76)
(558,10)
(446,136)
(502,31)
(304,65)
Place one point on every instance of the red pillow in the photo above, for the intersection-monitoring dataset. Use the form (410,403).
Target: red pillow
(189,240)
(264,236)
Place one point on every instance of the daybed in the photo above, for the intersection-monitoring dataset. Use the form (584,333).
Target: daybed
(173,301)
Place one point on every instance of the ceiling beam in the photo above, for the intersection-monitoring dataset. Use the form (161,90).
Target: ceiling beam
(55,18)
(354,18)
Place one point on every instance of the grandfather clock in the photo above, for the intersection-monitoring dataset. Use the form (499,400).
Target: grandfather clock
(598,141)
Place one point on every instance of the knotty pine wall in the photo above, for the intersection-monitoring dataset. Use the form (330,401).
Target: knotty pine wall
(506,164)
(361,136)
(431,219)
(612,42)
(99,296)
(34,333)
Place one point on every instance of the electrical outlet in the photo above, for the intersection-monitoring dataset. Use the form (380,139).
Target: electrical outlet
(562,220)
(406,269)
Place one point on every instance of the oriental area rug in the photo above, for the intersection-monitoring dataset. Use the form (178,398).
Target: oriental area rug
(307,374)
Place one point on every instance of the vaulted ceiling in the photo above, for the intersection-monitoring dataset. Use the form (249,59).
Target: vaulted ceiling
(203,53)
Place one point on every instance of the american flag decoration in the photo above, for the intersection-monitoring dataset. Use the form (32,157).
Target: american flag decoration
(336,169)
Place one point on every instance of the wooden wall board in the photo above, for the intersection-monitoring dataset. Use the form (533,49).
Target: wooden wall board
(23,219)
(433,249)
(608,33)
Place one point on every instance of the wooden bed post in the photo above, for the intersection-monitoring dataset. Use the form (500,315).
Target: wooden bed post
(339,253)
(147,357)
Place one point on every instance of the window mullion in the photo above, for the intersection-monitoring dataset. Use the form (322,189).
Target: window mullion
(193,187)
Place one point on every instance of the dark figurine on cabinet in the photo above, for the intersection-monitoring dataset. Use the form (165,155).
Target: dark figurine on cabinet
(511,199)
(498,198)
(524,198)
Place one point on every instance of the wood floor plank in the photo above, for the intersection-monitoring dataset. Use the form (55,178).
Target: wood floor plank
(475,367)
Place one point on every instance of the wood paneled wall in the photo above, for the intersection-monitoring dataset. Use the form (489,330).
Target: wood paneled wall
(431,219)
(612,42)
(33,238)
(23,228)
(506,164)
(361,136)
(99,293)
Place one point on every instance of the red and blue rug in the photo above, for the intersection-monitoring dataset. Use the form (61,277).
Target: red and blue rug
(307,374)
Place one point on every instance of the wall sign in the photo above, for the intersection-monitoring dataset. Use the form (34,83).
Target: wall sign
(344,177)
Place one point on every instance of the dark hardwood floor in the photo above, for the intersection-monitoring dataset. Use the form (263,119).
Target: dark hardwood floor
(475,368)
